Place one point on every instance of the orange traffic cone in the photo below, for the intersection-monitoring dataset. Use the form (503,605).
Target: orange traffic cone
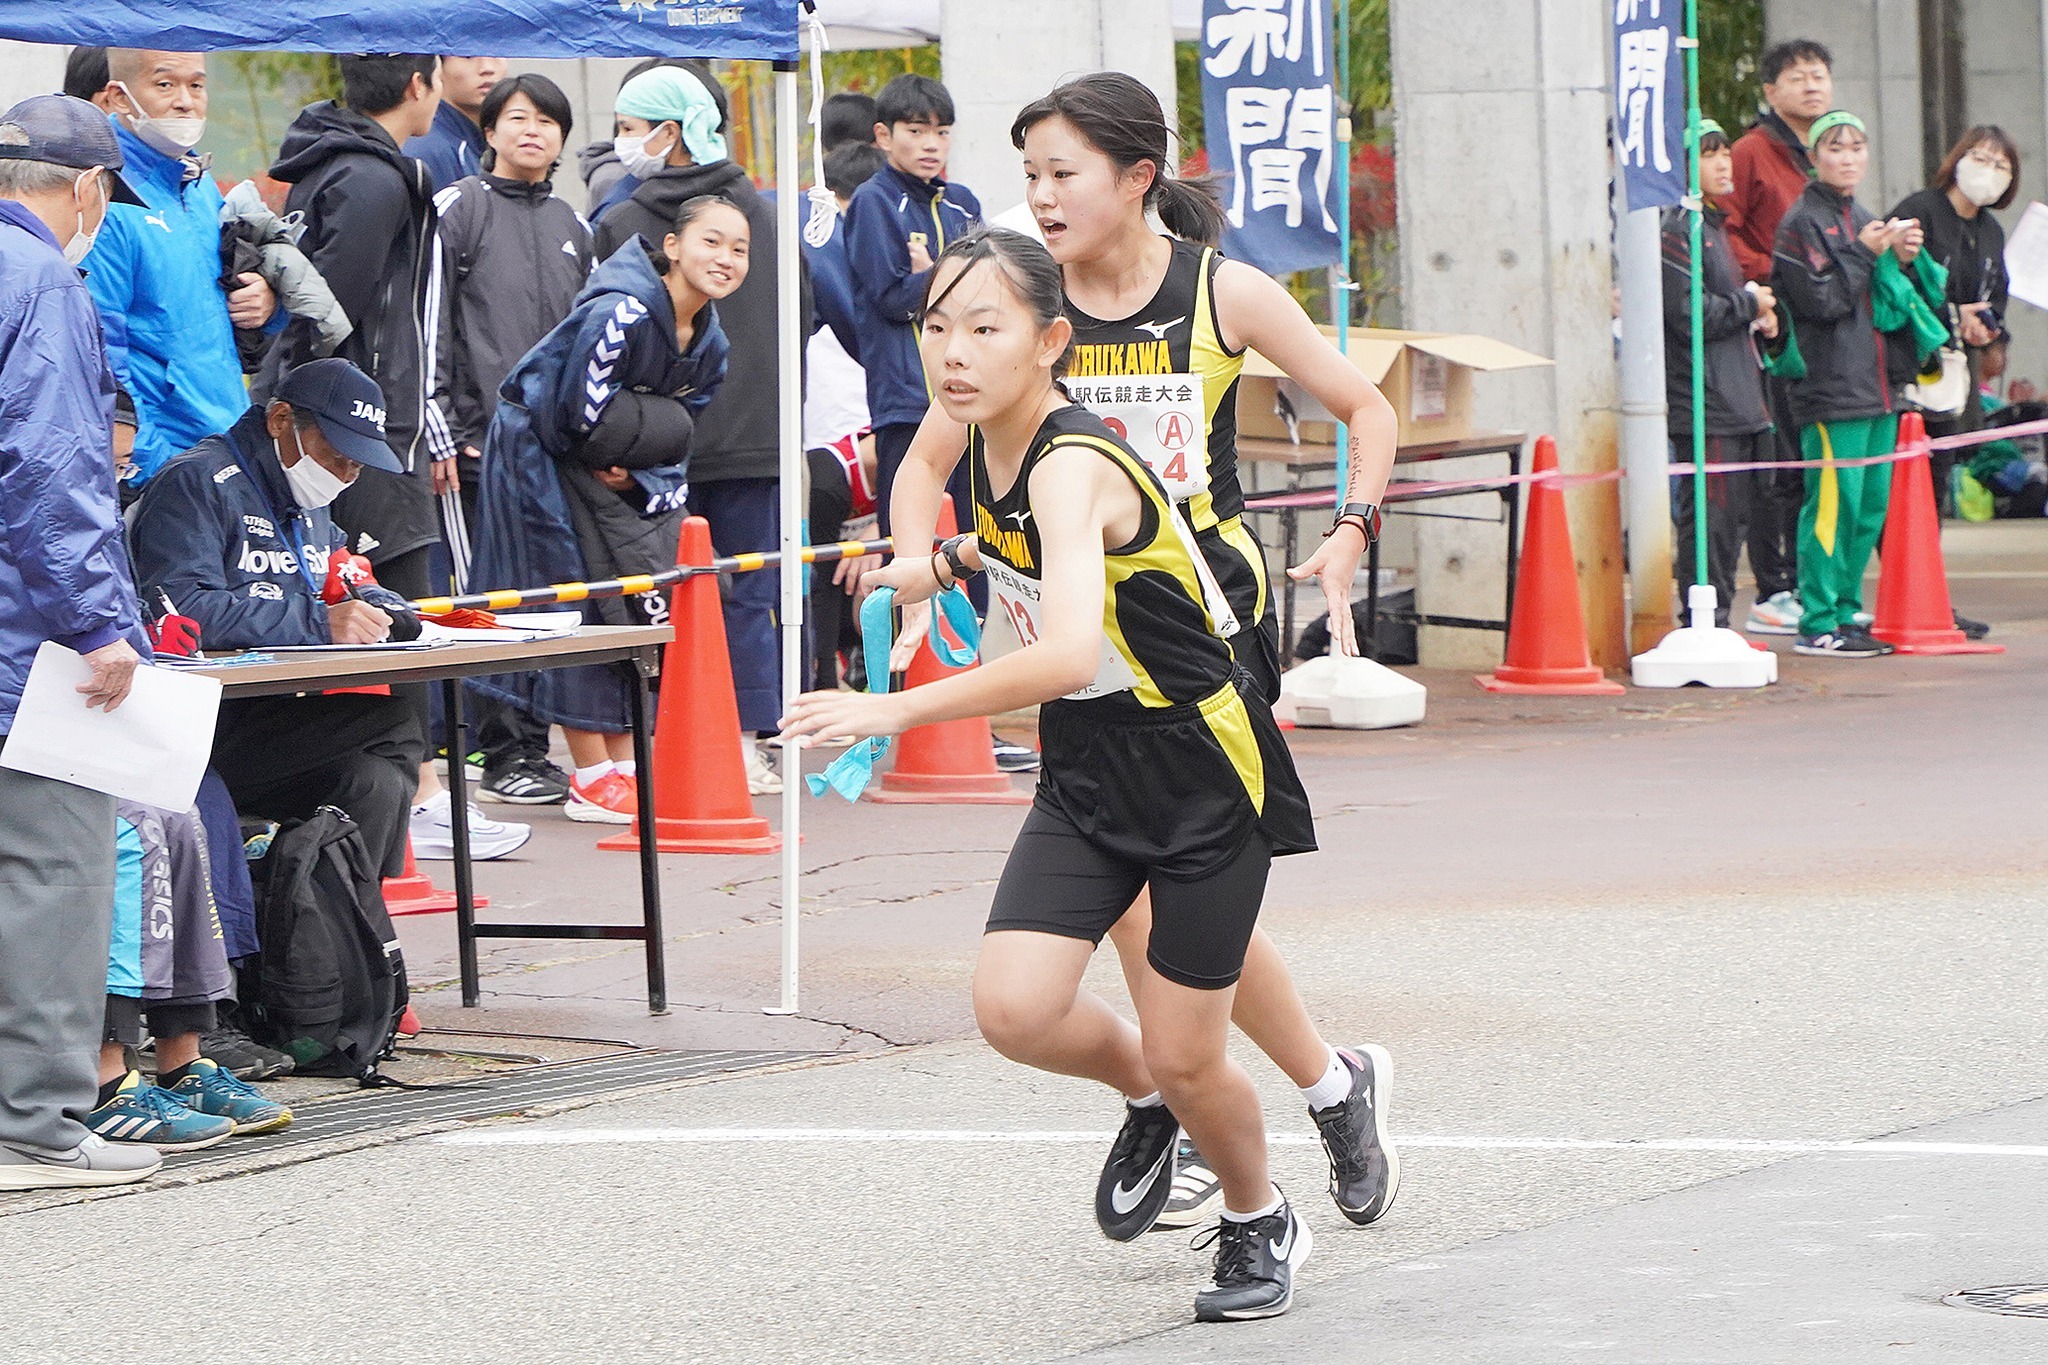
(1547,654)
(954,761)
(1913,609)
(699,782)
(412,892)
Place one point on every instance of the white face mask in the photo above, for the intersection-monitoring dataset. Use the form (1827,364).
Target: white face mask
(312,483)
(1979,183)
(633,155)
(80,244)
(172,136)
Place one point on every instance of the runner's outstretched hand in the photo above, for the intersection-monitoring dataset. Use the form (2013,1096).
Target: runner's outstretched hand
(819,716)
(1335,565)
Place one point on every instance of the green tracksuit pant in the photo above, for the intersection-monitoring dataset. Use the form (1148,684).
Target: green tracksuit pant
(1842,517)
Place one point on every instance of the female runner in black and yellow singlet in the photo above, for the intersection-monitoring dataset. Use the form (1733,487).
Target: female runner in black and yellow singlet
(1154,312)
(1163,766)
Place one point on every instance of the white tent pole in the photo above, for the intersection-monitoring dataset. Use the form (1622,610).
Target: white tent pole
(789,328)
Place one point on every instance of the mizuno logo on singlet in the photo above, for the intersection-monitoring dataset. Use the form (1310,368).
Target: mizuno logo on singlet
(1160,329)
(1123,357)
(1009,546)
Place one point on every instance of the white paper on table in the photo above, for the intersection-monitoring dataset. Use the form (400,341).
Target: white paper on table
(152,748)
(2026,256)
(539,626)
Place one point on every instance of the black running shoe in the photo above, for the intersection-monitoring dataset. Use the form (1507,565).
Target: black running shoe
(233,1050)
(1365,1172)
(1838,644)
(1863,633)
(1255,1265)
(1016,758)
(525,782)
(1197,1193)
(1137,1180)
(1972,630)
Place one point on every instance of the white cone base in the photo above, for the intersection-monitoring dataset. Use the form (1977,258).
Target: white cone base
(1349,694)
(1709,656)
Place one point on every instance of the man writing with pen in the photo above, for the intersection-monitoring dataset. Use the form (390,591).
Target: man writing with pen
(235,535)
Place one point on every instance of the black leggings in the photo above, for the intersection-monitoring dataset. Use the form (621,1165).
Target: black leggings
(167,1018)
(410,575)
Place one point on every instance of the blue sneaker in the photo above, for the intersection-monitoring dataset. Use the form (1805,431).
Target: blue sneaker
(140,1112)
(207,1088)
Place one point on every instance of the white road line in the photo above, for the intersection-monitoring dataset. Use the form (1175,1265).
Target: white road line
(603,1137)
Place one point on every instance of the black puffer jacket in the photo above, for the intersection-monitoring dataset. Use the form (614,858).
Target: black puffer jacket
(737,436)
(1734,389)
(1822,274)
(369,211)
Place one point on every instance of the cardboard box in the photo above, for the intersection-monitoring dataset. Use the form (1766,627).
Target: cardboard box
(1427,376)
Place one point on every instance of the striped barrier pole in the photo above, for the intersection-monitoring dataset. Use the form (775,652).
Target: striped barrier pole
(512,599)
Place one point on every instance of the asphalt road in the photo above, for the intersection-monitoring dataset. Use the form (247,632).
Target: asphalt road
(1646,966)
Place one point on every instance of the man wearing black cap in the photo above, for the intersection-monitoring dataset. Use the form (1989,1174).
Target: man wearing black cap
(64,579)
(235,534)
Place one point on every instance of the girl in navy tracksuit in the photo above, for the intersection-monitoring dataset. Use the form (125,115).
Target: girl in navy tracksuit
(586,466)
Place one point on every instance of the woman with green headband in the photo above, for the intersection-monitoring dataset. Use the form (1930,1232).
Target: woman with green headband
(1859,297)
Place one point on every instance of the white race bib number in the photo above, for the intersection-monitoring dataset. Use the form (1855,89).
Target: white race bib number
(1016,601)
(1161,417)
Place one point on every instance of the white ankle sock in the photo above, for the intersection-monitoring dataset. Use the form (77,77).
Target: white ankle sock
(1150,1101)
(626,769)
(1334,1086)
(1279,1201)
(595,772)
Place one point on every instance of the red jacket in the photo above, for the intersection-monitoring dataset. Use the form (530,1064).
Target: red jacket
(1771,171)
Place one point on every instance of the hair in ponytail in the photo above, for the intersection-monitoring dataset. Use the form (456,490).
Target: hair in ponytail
(1121,118)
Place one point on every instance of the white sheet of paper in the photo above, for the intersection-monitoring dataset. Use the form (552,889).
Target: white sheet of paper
(152,748)
(2026,256)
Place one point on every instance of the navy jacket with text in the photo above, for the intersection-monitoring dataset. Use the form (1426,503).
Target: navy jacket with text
(218,534)
(880,219)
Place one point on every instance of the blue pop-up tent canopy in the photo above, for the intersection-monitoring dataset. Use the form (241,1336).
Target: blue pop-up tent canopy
(759,30)
(762,30)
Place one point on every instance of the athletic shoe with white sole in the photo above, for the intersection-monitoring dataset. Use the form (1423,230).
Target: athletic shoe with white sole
(762,779)
(210,1089)
(1365,1171)
(611,800)
(1016,758)
(1137,1180)
(525,782)
(1255,1265)
(1839,644)
(1862,632)
(1197,1193)
(93,1163)
(1777,614)
(141,1112)
(433,832)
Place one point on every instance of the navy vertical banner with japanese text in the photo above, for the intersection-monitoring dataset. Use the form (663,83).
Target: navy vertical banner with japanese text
(1649,100)
(1269,105)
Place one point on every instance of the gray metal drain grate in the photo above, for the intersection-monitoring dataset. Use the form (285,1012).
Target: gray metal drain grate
(2013,1300)
(336,1120)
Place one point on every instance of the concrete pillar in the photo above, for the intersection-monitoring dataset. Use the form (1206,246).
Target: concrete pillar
(1501,146)
(1000,57)
(30,69)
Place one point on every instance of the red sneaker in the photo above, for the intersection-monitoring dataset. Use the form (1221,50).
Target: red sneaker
(610,800)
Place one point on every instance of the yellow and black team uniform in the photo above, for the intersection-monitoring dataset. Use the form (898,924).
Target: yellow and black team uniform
(1157,774)
(1178,333)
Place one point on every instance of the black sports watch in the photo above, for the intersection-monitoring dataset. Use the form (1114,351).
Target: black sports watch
(950,548)
(1364,515)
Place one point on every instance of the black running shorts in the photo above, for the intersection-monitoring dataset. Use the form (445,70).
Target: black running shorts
(1057,882)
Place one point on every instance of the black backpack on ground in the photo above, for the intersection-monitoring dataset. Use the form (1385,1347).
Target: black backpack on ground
(329,986)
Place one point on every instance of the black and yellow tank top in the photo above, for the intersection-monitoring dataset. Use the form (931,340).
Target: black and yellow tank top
(1114,367)
(1160,613)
